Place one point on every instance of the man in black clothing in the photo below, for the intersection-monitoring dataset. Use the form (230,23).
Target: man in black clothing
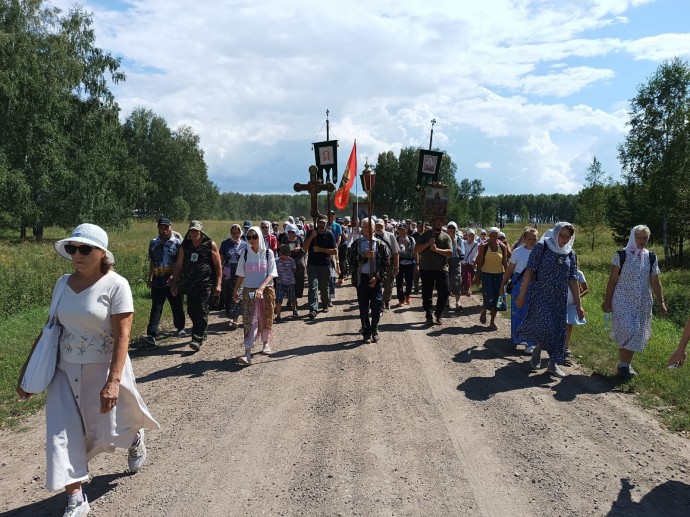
(320,245)
(372,267)
(199,260)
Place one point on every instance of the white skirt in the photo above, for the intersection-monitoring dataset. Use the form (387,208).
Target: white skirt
(76,431)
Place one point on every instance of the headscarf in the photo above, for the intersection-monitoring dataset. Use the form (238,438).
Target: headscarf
(291,228)
(632,244)
(232,227)
(552,240)
(262,241)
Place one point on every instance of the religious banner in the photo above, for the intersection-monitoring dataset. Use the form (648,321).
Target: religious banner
(429,167)
(435,201)
(326,154)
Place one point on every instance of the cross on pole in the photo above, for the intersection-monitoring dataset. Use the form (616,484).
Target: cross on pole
(314,186)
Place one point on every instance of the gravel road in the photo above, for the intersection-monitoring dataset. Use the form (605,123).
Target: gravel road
(432,421)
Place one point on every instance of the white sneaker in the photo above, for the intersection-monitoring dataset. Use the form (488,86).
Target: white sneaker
(555,370)
(182,333)
(244,360)
(136,457)
(266,350)
(77,510)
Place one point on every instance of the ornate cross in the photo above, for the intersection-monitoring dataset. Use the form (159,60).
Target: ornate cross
(314,186)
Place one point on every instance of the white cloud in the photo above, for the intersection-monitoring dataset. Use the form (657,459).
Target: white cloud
(254,79)
(482,165)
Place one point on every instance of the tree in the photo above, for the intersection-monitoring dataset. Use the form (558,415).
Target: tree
(655,153)
(591,205)
(53,93)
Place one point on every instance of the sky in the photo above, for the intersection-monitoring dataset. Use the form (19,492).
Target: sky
(524,92)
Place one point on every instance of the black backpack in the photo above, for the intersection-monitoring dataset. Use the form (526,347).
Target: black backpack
(622,255)
(246,252)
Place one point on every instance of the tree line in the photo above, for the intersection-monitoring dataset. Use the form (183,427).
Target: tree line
(66,157)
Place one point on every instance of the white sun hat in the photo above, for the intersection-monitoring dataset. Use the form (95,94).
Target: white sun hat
(86,233)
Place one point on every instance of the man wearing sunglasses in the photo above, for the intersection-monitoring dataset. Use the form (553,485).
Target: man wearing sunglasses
(162,257)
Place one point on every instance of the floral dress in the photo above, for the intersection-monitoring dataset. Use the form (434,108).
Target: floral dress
(632,302)
(547,297)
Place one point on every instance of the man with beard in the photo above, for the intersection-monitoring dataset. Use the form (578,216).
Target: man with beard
(372,265)
(434,247)
(320,245)
(162,256)
(199,260)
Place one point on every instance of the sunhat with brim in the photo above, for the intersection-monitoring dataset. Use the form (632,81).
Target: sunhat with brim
(493,229)
(86,234)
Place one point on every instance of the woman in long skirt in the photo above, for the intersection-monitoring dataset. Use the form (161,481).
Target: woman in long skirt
(551,271)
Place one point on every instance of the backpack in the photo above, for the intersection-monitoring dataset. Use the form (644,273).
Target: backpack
(622,255)
(246,252)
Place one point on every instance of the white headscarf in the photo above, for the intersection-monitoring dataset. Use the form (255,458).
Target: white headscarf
(552,240)
(632,244)
(262,241)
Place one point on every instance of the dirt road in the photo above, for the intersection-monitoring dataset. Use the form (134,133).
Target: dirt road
(434,421)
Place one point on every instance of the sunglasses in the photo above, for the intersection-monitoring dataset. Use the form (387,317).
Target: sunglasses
(84,249)
(252,237)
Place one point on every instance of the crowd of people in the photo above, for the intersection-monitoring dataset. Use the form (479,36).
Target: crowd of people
(93,405)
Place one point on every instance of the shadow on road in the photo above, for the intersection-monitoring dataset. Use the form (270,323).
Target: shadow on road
(55,506)
(518,375)
(670,499)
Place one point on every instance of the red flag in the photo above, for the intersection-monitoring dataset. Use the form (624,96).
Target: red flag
(342,195)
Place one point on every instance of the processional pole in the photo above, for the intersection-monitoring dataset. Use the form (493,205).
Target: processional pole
(368,183)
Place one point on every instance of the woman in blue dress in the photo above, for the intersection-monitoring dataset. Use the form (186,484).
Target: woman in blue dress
(550,272)
(515,272)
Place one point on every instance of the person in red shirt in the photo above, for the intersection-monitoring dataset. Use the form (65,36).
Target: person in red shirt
(269,238)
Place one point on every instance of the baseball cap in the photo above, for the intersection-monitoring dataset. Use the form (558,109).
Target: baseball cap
(247,224)
(165,221)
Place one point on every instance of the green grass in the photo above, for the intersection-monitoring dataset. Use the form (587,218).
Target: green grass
(29,271)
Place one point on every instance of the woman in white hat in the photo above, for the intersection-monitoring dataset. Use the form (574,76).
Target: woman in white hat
(93,405)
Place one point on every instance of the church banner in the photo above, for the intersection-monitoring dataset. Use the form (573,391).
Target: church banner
(429,167)
(326,155)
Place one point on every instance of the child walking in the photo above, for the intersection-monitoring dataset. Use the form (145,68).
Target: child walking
(286,281)
(571,315)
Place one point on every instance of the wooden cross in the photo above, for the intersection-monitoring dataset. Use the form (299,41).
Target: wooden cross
(314,186)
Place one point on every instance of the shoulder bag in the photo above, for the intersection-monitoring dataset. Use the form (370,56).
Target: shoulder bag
(41,366)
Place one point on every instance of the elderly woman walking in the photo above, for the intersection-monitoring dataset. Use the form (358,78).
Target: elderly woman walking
(256,270)
(231,250)
(551,270)
(93,405)
(634,270)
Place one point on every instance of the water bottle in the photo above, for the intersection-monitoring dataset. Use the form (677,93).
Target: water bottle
(607,320)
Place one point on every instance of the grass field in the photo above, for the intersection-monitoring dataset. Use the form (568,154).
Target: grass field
(29,271)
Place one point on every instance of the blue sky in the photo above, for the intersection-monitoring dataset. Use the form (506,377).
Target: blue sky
(524,92)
